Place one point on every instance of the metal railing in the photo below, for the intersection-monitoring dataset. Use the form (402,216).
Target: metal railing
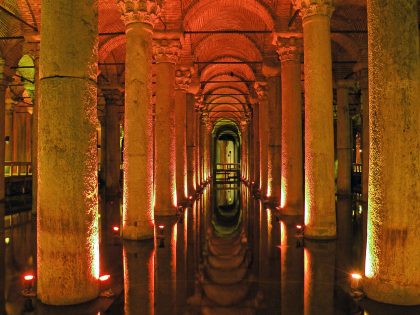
(227,172)
(12,169)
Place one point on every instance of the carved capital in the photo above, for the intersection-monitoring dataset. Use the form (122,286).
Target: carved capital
(261,88)
(289,46)
(166,49)
(199,102)
(310,8)
(140,11)
(183,77)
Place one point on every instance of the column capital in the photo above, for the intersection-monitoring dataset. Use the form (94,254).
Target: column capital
(199,102)
(346,84)
(31,45)
(261,88)
(166,47)
(310,8)
(139,11)
(183,76)
(289,46)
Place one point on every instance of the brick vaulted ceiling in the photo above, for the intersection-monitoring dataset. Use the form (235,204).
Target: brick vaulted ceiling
(213,36)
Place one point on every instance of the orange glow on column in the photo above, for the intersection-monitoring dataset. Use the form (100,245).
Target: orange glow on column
(151,269)
(174,239)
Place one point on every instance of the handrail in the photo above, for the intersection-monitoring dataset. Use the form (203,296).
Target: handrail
(12,169)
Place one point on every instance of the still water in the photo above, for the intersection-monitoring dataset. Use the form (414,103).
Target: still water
(227,254)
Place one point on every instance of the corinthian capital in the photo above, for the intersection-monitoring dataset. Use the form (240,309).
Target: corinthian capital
(314,7)
(261,88)
(183,78)
(139,11)
(289,46)
(166,48)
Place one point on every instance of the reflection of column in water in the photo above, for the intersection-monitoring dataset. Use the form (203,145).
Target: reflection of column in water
(166,269)
(263,250)
(291,270)
(139,286)
(2,260)
(191,248)
(274,255)
(319,260)
(181,259)
(344,238)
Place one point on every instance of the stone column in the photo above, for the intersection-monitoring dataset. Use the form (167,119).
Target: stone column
(261,90)
(256,144)
(31,47)
(344,136)
(392,255)
(112,152)
(166,49)
(2,149)
(191,170)
(9,127)
(182,80)
(67,214)
(19,133)
(289,50)
(274,136)
(320,219)
(197,148)
(138,221)
(361,71)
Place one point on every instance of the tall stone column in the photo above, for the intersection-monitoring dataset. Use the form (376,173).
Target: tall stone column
(9,126)
(261,90)
(197,148)
(392,255)
(191,170)
(256,144)
(182,82)
(320,218)
(274,136)
(344,136)
(2,143)
(138,218)
(361,70)
(20,133)
(166,49)
(289,49)
(67,214)
(112,152)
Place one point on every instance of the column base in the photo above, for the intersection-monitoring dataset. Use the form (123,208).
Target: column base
(320,233)
(391,292)
(142,231)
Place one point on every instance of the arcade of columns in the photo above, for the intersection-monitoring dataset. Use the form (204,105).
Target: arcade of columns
(167,140)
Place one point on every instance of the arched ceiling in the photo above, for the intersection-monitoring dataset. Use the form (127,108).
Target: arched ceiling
(226,40)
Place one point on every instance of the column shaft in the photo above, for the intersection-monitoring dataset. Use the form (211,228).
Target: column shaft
(2,147)
(320,218)
(344,134)
(392,255)
(112,152)
(67,214)
(256,157)
(138,139)
(191,170)
(274,139)
(181,144)
(263,134)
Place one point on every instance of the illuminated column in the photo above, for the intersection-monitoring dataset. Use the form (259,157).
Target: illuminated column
(274,136)
(182,80)
(112,152)
(2,151)
(67,214)
(261,90)
(361,71)
(138,124)
(289,50)
(20,133)
(9,127)
(31,47)
(344,148)
(166,48)
(244,145)
(191,170)
(320,221)
(256,144)
(392,255)
(197,148)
